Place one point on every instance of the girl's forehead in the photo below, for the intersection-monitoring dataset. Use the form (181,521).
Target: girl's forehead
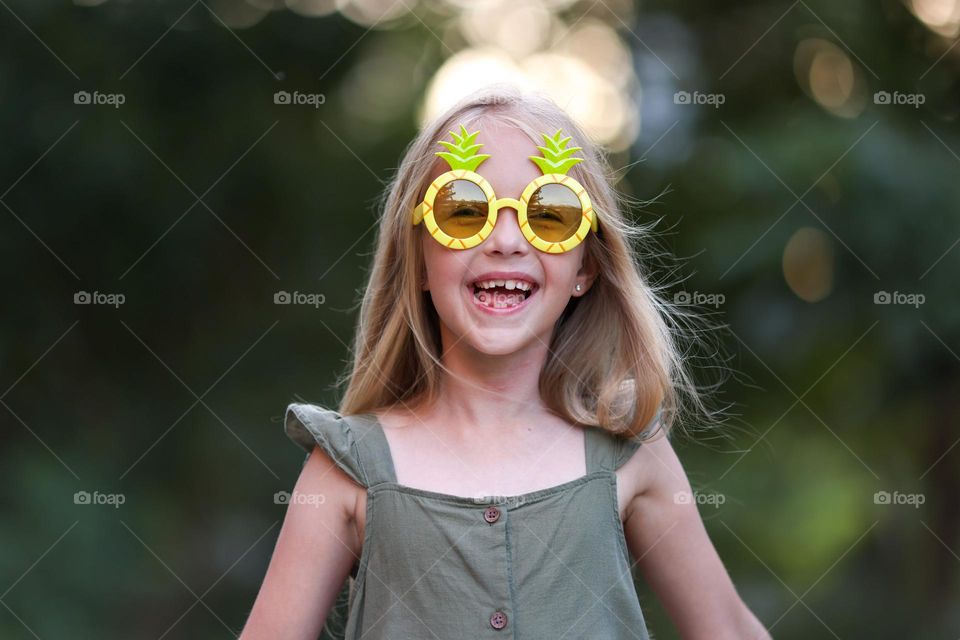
(504,138)
(509,167)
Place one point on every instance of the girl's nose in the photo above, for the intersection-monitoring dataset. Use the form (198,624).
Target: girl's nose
(506,236)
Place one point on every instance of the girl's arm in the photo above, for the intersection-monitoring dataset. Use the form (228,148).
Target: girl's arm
(315,550)
(675,554)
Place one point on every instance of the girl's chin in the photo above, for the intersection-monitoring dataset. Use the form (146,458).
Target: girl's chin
(498,349)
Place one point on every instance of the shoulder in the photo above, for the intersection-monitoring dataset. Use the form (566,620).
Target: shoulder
(339,437)
(396,417)
(322,475)
(648,466)
(653,474)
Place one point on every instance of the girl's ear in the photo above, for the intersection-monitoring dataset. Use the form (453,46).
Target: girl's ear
(586,274)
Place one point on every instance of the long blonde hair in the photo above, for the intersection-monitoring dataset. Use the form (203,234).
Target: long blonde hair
(613,360)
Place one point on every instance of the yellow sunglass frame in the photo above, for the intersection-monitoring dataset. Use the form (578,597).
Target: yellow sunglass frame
(424,211)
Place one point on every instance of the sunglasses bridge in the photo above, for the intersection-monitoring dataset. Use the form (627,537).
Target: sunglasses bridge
(500,203)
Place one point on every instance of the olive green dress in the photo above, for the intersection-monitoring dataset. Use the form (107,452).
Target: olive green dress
(548,564)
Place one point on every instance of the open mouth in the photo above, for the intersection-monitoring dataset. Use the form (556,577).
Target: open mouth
(502,294)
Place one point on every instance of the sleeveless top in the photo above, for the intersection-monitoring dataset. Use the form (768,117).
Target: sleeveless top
(551,563)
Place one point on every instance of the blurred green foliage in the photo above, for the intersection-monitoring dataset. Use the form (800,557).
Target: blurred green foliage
(174,399)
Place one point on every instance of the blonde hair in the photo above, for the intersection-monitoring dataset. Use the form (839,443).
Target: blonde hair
(612,361)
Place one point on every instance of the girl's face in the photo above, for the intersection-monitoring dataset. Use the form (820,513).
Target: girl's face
(490,320)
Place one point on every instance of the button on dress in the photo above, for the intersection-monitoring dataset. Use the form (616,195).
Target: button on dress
(548,564)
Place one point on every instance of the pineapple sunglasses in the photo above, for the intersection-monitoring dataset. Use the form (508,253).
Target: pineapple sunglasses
(460,207)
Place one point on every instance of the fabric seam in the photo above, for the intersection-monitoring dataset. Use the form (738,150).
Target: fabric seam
(510,585)
(618,524)
(527,498)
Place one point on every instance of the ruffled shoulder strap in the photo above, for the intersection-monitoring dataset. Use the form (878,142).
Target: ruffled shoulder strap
(355,443)
(608,451)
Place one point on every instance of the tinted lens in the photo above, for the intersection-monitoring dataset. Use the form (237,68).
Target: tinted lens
(460,208)
(554,212)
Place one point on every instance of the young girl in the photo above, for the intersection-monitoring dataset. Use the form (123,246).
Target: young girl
(499,462)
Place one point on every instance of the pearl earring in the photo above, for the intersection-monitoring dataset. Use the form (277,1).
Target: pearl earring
(579,287)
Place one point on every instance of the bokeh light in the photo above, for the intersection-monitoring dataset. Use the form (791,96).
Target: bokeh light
(828,75)
(596,102)
(940,16)
(808,264)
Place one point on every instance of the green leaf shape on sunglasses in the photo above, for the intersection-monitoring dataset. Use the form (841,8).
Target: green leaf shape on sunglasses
(556,155)
(463,154)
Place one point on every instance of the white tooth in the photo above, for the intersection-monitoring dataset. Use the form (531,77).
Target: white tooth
(511,284)
(499,282)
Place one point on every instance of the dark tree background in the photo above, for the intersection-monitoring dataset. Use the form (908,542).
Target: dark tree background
(807,155)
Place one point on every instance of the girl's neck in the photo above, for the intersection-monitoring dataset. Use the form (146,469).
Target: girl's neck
(489,393)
